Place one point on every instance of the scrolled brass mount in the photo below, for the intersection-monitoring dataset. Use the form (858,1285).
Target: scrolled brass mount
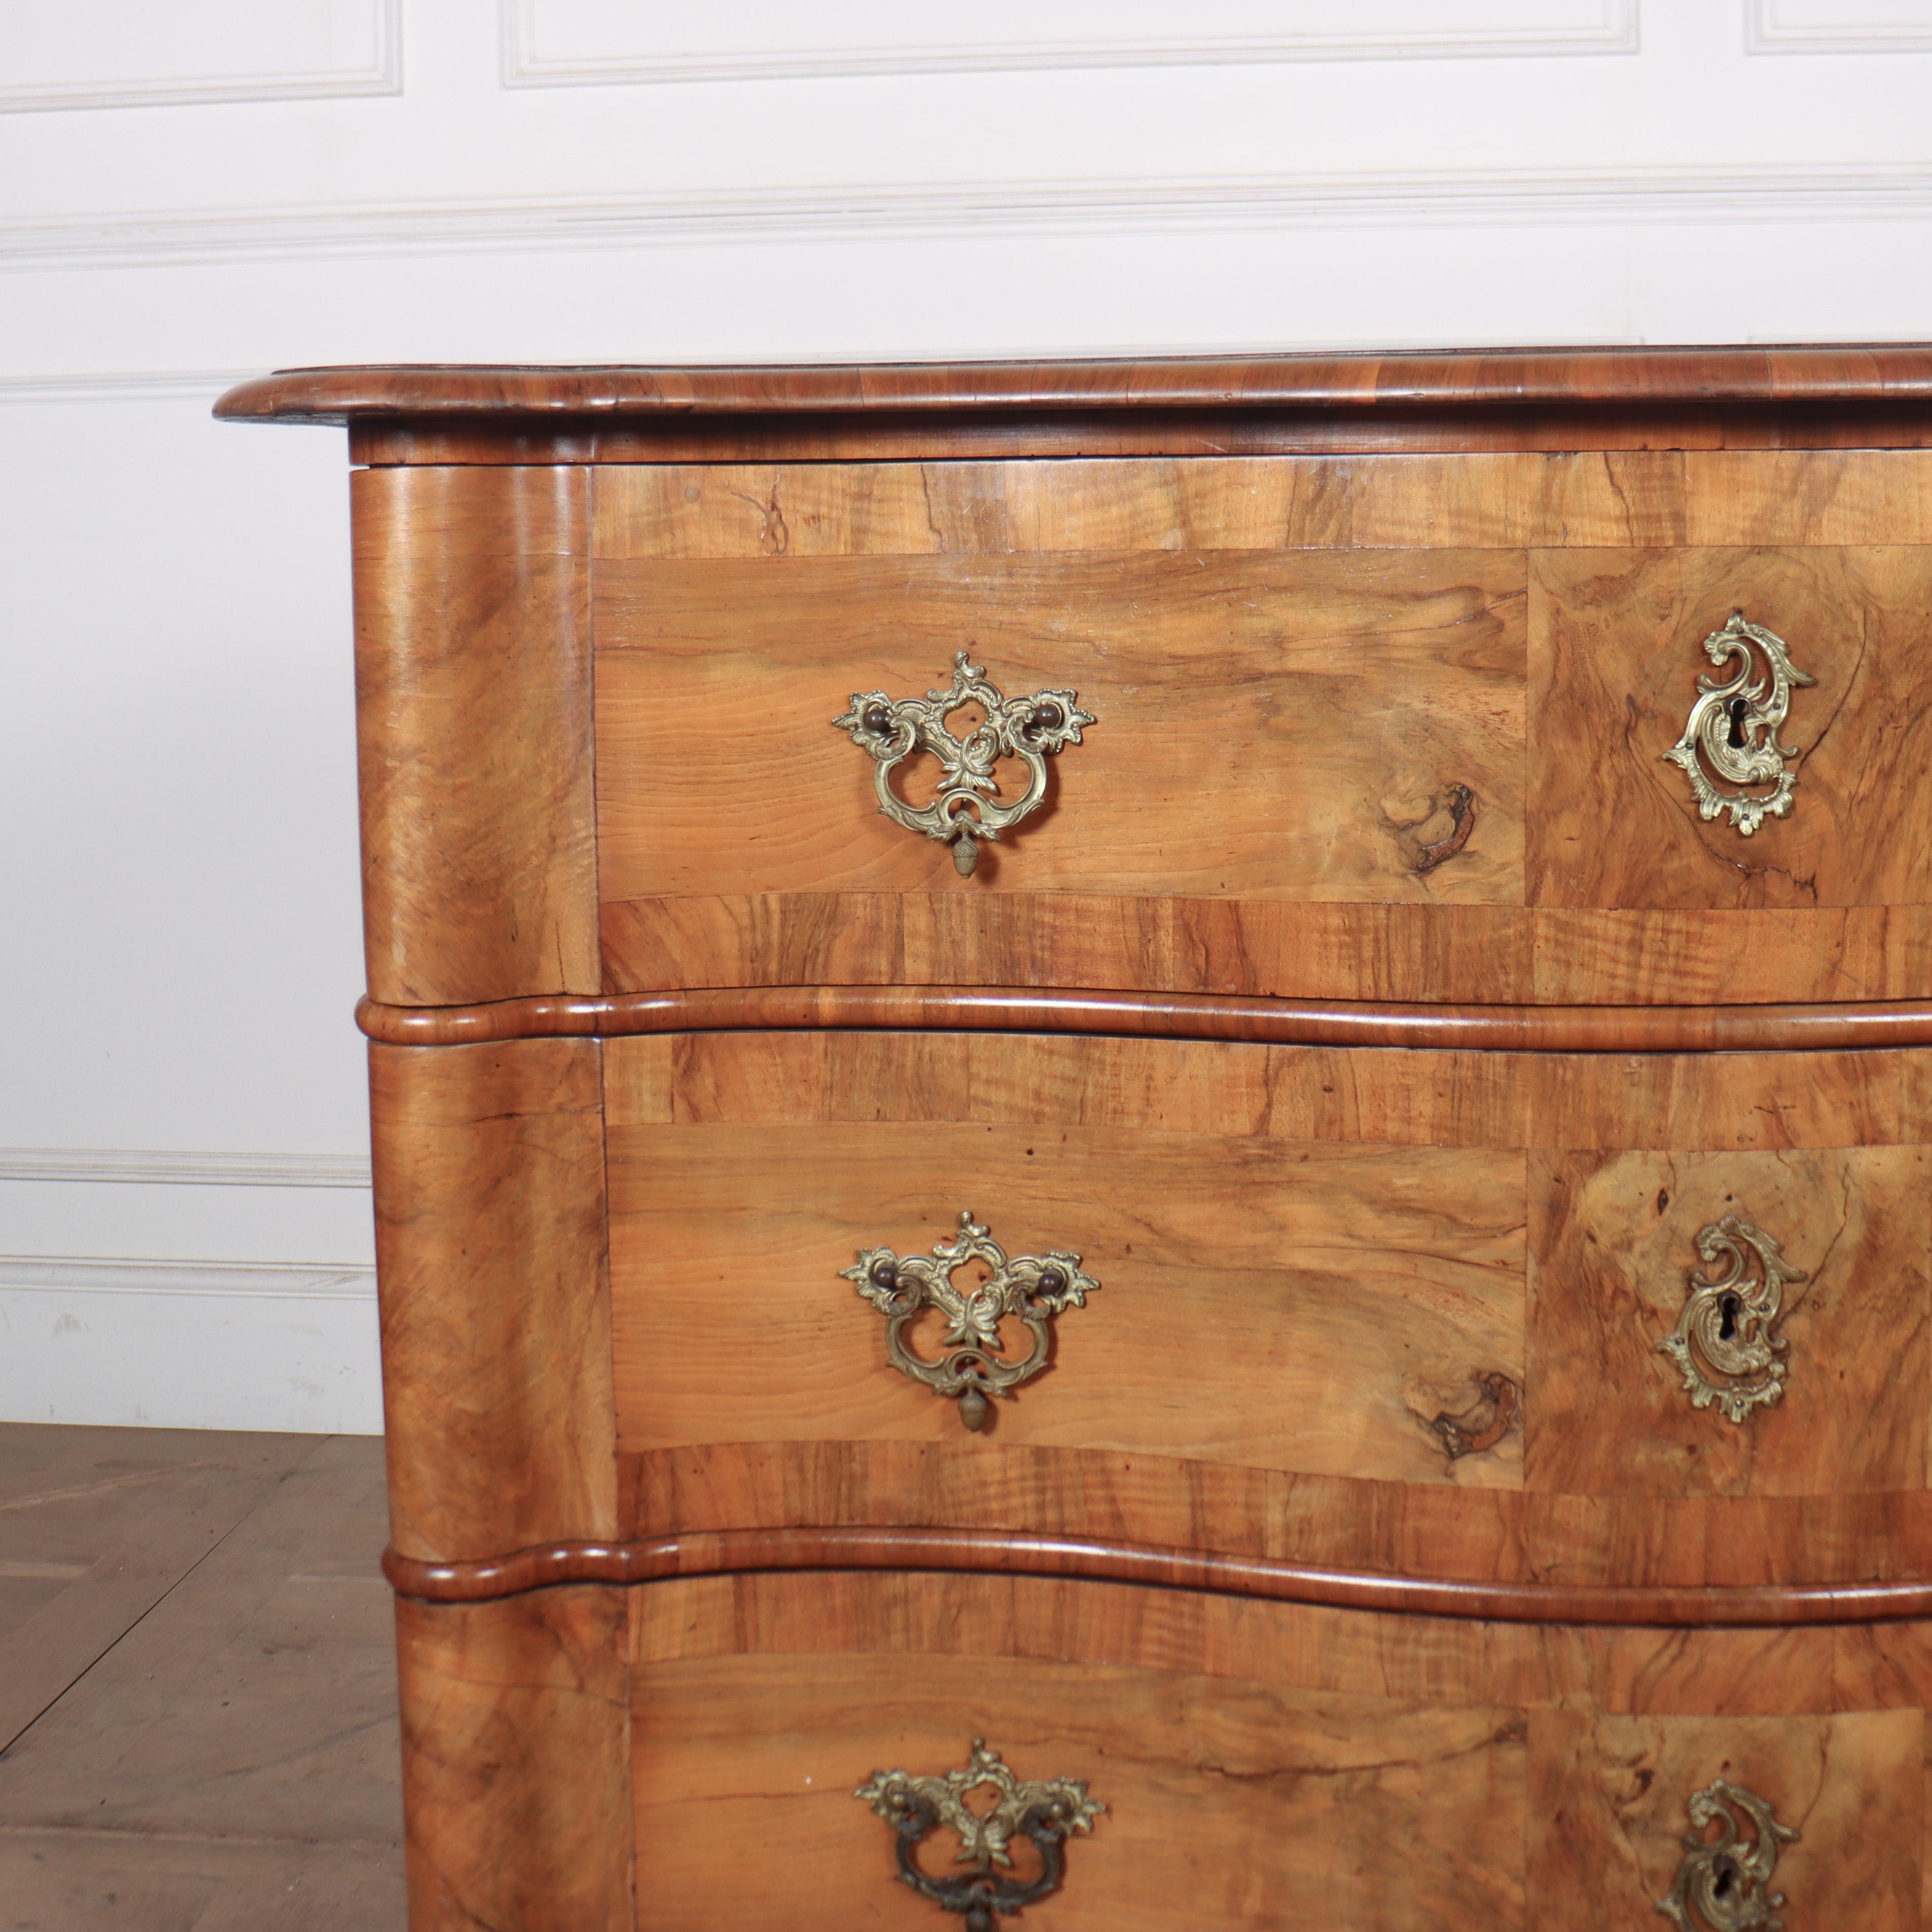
(1726,720)
(1046,1812)
(967,808)
(1723,1341)
(1723,1883)
(1031,1288)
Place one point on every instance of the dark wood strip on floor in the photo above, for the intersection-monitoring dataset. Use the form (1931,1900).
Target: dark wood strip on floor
(198,1689)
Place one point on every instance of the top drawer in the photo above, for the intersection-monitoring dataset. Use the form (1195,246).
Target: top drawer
(1386,728)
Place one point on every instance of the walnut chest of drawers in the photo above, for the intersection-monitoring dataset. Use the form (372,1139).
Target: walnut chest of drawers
(1152,1139)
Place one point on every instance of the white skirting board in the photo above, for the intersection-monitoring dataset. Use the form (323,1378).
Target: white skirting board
(189,1344)
(134,1294)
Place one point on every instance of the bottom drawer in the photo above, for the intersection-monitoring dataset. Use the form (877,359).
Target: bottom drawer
(1258,1762)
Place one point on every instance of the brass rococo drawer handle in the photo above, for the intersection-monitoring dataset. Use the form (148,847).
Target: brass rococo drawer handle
(1045,1812)
(1725,720)
(966,808)
(1031,1288)
(1723,1342)
(1723,1883)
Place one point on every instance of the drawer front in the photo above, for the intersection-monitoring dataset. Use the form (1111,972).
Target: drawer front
(1361,731)
(1471,1315)
(1410,1771)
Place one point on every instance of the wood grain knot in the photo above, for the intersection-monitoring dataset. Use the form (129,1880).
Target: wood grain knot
(1422,856)
(1485,1422)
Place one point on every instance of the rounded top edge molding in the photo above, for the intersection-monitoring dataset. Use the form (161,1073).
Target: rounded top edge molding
(1608,377)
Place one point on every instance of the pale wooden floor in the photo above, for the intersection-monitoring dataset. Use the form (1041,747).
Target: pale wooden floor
(197,1690)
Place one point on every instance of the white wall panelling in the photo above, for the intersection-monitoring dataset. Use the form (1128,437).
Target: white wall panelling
(198,1167)
(180,952)
(121,53)
(1838,26)
(260,1281)
(1512,197)
(861,178)
(127,1342)
(564,42)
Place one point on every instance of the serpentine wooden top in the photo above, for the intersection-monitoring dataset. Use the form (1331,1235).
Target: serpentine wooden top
(1518,378)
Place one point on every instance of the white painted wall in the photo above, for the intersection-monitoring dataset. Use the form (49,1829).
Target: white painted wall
(196,191)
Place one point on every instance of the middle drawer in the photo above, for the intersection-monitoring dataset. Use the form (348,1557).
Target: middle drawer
(1634,1320)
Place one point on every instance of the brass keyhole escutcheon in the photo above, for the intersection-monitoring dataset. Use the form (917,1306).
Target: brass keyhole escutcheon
(1723,1883)
(1724,729)
(1725,1343)
(966,809)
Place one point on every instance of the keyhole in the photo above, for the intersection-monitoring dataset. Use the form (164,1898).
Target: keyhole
(1727,1318)
(1737,708)
(1724,1875)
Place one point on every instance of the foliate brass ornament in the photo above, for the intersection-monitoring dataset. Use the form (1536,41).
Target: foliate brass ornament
(1725,723)
(1032,1288)
(966,808)
(1723,1342)
(1043,1812)
(1723,1883)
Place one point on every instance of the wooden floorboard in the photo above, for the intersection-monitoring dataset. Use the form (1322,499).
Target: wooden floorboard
(67,1882)
(111,1520)
(198,1684)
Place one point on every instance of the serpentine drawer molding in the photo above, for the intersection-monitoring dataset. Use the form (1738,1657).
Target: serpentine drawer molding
(1373,1044)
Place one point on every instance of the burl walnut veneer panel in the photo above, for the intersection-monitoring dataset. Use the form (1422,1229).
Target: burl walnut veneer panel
(1621,500)
(1610,1231)
(1608,1833)
(1614,657)
(1320,1292)
(971,936)
(1264,1797)
(1272,725)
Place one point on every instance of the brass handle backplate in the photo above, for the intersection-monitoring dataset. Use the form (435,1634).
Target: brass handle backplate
(1723,1884)
(1030,1288)
(967,808)
(1044,1812)
(1725,723)
(1723,1341)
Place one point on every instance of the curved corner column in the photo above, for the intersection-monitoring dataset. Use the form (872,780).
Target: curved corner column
(473,707)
